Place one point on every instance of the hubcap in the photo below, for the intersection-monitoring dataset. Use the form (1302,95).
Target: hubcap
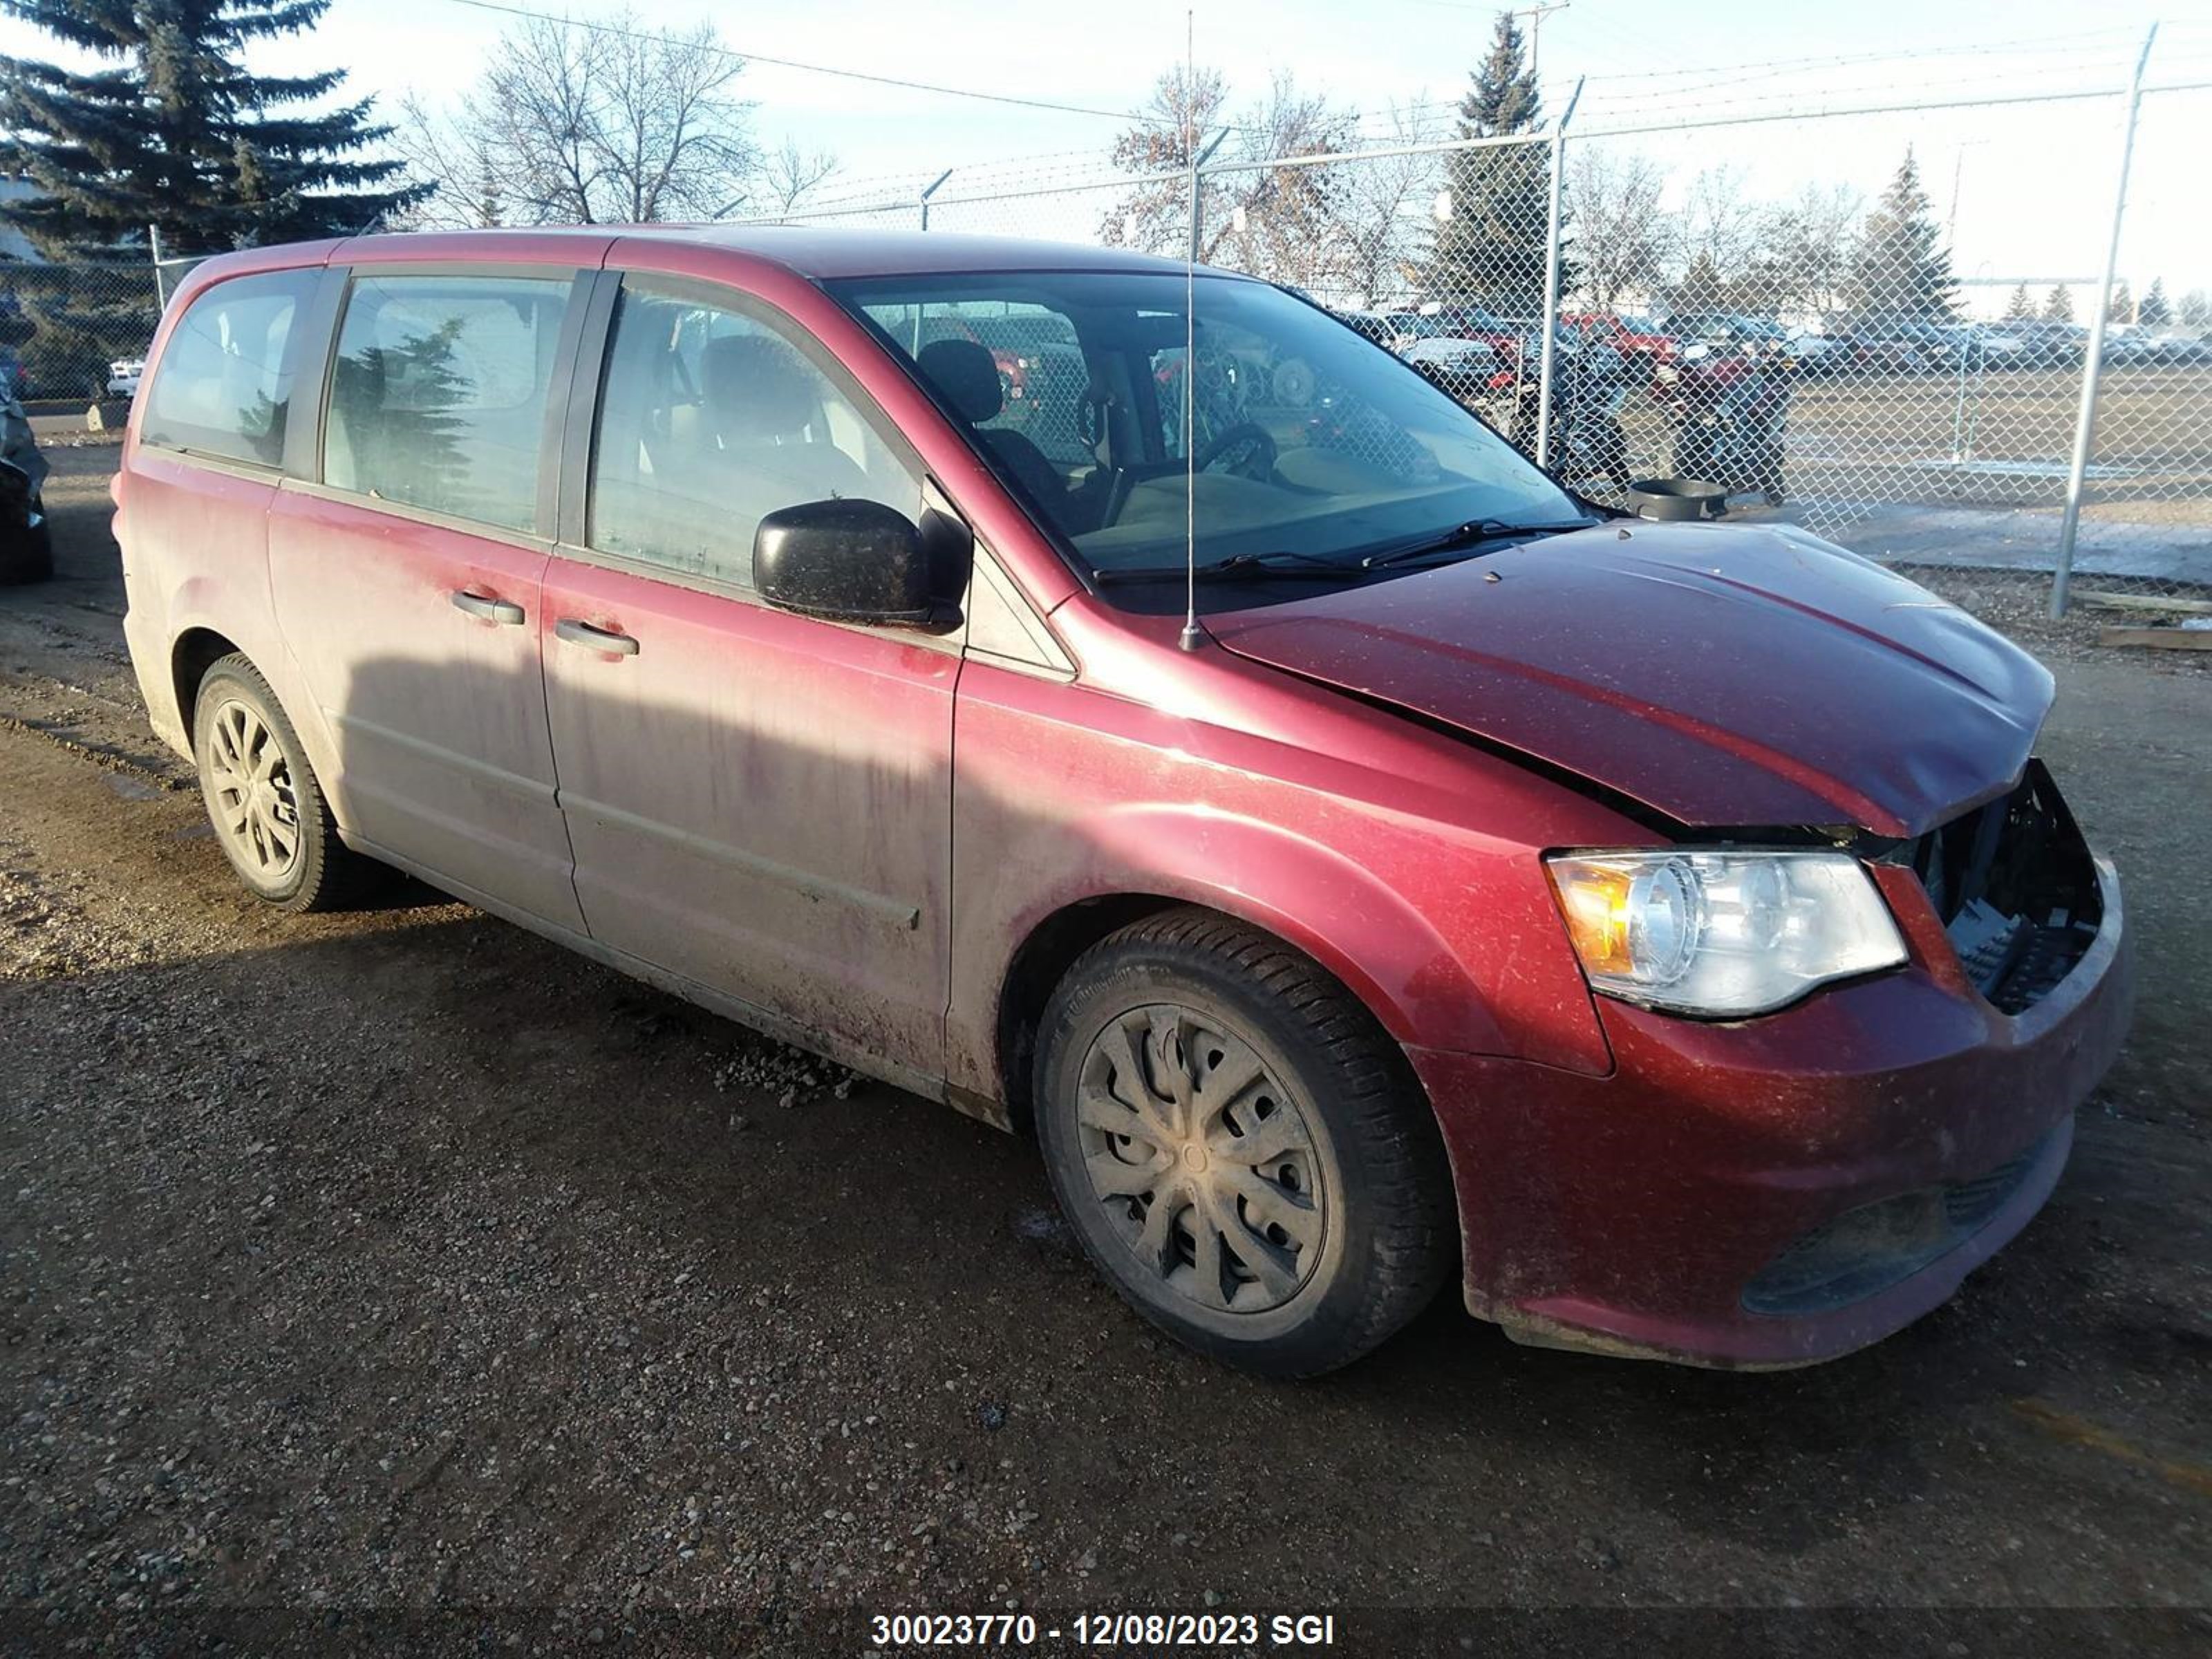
(1200,1159)
(250,795)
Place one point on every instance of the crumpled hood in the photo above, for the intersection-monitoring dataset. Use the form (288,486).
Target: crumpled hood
(1724,676)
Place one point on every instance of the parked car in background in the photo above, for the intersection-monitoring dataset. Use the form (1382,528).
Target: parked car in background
(27,548)
(1344,866)
(1463,367)
(1733,333)
(1819,353)
(1999,345)
(1642,344)
(2177,346)
(1375,325)
(123,375)
(2051,344)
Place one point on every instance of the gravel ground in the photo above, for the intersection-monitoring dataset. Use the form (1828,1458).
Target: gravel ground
(396,1260)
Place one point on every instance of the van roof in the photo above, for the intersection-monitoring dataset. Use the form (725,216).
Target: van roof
(814,251)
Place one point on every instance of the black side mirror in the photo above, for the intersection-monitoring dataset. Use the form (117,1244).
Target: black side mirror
(845,561)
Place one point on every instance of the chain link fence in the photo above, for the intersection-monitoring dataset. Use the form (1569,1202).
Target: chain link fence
(1876,323)
(65,328)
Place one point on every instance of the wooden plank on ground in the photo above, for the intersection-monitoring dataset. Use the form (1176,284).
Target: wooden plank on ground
(2143,602)
(2159,639)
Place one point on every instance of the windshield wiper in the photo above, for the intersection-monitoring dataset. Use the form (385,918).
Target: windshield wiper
(1472,534)
(1240,566)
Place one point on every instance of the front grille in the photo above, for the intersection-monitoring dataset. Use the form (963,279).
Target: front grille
(2016,890)
(1863,1252)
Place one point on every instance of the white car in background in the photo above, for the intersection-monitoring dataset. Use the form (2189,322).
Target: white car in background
(123,376)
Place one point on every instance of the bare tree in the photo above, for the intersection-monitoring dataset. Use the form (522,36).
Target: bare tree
(1173,124)
(670,139)
(1805,253)
(588,125)
(1281,223)
(789,175)
(1719,226)
(468,192)
(1623,240)
(1382,207)
(1288,223)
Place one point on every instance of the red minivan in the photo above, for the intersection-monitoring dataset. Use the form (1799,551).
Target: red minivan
(1355,859)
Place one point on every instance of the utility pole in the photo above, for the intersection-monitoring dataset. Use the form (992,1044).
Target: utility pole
(1536,14)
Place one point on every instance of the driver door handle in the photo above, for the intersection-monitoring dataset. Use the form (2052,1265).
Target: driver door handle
(597,639)
(505,612)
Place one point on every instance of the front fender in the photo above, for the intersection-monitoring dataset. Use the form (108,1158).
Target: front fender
(1445,931)
(1307,894)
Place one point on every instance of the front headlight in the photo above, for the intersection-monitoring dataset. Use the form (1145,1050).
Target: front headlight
(1722,934)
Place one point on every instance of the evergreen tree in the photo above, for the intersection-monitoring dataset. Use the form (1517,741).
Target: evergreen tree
(2059,308)
(2121,307)
(2154,311)
(1492,249)
(1902,271)
(2196,309)
(1702,288)
(2022,306)
(171,131)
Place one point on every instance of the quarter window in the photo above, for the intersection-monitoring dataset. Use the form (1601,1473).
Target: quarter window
(709,419)
(439,395)
(224,382)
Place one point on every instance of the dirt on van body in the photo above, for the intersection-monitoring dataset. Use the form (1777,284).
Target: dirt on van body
(397,1259)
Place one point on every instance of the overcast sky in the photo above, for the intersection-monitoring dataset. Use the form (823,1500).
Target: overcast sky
(2031,186)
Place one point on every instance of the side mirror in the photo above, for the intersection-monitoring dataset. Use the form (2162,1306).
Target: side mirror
(845,561)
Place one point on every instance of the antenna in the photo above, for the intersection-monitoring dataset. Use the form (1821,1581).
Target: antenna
(1193,635)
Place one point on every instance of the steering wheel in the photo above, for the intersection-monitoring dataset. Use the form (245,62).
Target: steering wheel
(1245,434)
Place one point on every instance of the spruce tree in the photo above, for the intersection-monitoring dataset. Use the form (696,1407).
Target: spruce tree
(1491,248)
(2120,305)
(1901,271)
(2022,306)
(171,131)
(2059,308)
(2154,311)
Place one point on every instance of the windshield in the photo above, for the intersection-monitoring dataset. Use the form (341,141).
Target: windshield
(1308,438)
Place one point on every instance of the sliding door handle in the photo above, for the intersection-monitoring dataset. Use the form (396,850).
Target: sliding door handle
(505,612)
(595,639)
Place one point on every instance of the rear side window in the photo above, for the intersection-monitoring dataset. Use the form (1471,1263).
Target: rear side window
(439,394)
(224,382)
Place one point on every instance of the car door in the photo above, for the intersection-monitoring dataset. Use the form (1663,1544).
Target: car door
(407,572)
(757,801)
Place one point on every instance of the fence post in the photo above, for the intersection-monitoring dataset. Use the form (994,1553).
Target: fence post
(1197,166)
(154,246)
(1555,235)
(924,199)
(2092,365)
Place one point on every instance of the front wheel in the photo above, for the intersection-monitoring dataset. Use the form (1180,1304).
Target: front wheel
(1240,1149)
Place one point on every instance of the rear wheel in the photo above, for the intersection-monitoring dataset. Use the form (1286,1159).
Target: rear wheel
(1241,1151)
(270,816)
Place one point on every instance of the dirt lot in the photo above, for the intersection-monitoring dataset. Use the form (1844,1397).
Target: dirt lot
(397,1260)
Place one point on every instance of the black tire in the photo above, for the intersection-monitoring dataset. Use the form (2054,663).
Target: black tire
(1375,1197)
(32,558)
(323,873)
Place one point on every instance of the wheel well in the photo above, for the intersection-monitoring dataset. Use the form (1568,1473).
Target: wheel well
(1036,973)
(197,650)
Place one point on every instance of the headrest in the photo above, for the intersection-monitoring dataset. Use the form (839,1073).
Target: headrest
(964,373)
(756,386)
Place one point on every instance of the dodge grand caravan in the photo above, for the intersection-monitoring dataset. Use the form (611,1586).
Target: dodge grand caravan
(1665,928)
